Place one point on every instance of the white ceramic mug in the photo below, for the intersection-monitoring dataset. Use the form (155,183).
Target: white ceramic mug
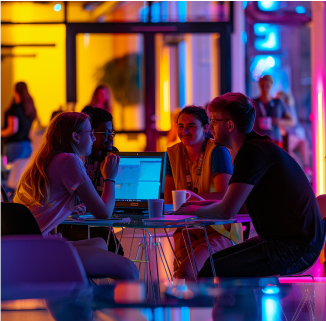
(265,123)
(179,197)
(155,208)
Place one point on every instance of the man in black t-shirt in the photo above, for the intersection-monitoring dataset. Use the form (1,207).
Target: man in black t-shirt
(279,198)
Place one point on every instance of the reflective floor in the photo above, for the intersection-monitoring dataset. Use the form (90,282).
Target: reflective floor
(266,299)
(226,299)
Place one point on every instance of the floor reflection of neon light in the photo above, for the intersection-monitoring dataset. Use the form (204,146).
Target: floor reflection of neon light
(321,143)
(270,308)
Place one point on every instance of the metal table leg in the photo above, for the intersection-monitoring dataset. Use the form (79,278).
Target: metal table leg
(109,236)
(117,247)
(171,247)
(165,262)
(158,276)
(149,263)
(132,241)
(210,253)
(193,269)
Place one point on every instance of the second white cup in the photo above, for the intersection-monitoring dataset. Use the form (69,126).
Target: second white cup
(179,197)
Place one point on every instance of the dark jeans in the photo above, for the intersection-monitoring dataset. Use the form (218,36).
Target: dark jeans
(257,257)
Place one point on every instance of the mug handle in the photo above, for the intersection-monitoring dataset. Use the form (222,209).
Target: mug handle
(194,195)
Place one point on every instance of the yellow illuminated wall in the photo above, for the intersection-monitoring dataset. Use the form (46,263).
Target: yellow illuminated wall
(31,11)
(44,71)
(163,113)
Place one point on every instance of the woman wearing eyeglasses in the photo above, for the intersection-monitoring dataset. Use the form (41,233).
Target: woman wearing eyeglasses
(198,165)
(102,129)
(56,176)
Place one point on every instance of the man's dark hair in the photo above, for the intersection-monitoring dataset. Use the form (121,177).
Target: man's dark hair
(97,115)
(238,107)
(198,112)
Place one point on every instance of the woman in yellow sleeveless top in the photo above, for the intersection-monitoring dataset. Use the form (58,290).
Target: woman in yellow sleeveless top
(184,162)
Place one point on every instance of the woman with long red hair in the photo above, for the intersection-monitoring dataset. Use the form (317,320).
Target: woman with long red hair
(56,175)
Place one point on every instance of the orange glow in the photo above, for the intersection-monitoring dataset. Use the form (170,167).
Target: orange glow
(189,97)
(321,147)
(215,66)
(163,121)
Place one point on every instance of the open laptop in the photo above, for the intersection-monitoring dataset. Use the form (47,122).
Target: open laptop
(140,177)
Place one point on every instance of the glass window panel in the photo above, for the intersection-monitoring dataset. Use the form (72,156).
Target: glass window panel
(27,11)
(187,73)
(115,60)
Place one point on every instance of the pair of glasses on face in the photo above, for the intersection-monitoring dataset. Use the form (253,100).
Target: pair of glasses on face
(91,132)
(214,120)
(107,134)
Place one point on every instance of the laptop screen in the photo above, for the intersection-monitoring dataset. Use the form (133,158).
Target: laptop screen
(140,177)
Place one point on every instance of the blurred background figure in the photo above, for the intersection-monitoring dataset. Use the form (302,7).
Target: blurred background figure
(172,135)
(270,113)
(101,98)
(297,140)
(17,144)
(19,120)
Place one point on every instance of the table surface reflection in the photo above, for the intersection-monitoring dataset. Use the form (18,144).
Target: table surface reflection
(226,299)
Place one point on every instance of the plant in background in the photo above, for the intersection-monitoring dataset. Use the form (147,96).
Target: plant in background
(123,76)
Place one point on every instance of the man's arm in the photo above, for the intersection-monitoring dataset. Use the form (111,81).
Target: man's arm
(234,198)
(221,181)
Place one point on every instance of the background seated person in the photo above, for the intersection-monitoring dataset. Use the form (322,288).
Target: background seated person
(278,195)
(104,134)
(56,175)
(184,159)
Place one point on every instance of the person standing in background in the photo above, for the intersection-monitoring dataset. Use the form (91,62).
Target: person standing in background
(19,120)
(297,139)
(270,113)
(101,98)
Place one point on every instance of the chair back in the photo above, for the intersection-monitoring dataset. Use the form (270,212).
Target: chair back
(36,267)
(321,200)
(35,259)
(17,219)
